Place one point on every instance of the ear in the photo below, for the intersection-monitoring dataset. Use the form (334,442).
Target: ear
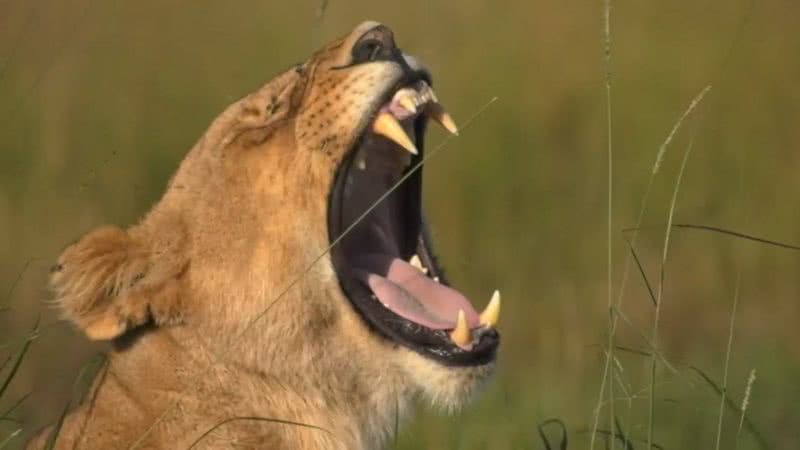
(109,283)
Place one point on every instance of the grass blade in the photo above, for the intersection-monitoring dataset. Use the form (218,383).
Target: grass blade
(16,281)
(540,427)
(626,442)
(762,442)
(737,234)
(664,253)
(92,363)
(259,419)
(663,149)
(619,437)
(18,361)
(654,352)
(10,438)
(610,203)
(724,393)
(642,272)
(725,231)
(13,407)
(745,401)
(53,438)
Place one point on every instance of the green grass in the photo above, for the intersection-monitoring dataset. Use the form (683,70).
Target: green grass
(99,101)
(8,370)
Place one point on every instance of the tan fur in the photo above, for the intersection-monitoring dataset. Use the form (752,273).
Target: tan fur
(243,217)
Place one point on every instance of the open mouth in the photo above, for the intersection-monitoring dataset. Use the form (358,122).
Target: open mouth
(385,262)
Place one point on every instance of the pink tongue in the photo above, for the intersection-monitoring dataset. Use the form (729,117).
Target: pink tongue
(409,293)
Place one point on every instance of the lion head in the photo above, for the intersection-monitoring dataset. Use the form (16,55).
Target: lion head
(291,245)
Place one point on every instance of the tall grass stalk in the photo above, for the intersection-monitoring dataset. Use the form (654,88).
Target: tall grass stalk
(664,253)
(728,357)
(612,327)
(723,397)
(610,156)
(609,262)
(632,242)
(745,402)
(757,434)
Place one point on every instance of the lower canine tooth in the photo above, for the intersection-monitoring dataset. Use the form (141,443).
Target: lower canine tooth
(461,335)
(386,125)
(437,113)
(491,313)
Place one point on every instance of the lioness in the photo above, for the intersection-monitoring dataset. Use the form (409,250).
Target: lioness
(224,305)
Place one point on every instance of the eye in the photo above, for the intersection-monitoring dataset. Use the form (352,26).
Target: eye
(367,50)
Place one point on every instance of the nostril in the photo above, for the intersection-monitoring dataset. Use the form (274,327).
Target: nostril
(368,50)
(375,45)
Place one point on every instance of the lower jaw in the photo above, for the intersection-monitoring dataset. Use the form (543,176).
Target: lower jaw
(433,345)
(436,350)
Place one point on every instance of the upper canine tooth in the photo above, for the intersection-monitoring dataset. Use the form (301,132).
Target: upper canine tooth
(432,95)
(437,113)
(461,334)
(386,125)
(424,89)
(416,262)
(491,313)
(426,92)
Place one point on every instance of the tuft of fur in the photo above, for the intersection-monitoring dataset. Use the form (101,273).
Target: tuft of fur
(196,295)
(108,283)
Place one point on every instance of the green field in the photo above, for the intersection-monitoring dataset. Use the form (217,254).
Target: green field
(100,100)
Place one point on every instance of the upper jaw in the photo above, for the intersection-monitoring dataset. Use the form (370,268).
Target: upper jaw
(411,95)
(400,108)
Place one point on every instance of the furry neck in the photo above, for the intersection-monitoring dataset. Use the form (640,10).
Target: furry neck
(134,400)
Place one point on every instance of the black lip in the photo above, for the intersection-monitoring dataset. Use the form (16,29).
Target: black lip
(434,344)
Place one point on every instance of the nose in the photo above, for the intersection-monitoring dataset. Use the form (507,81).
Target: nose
(377,44)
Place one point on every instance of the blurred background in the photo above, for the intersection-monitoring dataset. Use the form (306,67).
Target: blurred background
(100,100)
